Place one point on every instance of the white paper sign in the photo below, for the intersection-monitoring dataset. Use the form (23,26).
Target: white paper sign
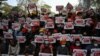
(76,36)
(57,36)
(59,20)
(98,25)
(80,22)
(49,25)
(7,35)
(97,39)
(69,25)
(35,22)
(86,40)
(39,39)
(21,20)
(95,52)
(15,26)
(79,52)
(27,25)
(21,39)
(45,54)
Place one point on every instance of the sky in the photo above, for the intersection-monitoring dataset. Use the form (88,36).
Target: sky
(52,3)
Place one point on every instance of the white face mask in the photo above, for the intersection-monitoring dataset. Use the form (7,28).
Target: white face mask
(46,42)
(63,45)
(77,44)
(95,44)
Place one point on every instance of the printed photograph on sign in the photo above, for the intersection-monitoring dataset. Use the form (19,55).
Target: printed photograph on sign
(45,54)
(49,25)
(95,52)
(21,39)
(15,26)
(59,7)
(21,20)
(79,52)
(97,39)
(35,22)
(7,35)
(26,25)
(57,36)
(86,40)
(69,25)
(52,39)
(76,36)
(80,22)
(98,25)
(59,20)
(38,39)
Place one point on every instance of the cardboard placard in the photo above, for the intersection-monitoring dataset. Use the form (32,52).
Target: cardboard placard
(59,20)
(7,35)
(21,39)
(97,26)
(95,52)
(86,40)
(76,36)
(45,54)
(52,39)
(80,22)
(49,25)
(97,39)
(79,52)
(16,26)
(69,25)
(59,7)
(35,22)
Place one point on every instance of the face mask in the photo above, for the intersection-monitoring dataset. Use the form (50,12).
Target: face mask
(41,34)
(77,44)
(63,45)
(46,42)
(95,44)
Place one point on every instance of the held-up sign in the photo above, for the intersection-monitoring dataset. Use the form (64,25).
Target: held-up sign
(97,39)
(66,36)
(79,52)
(86,40)
(95,52)
(69,25)
(76,36)
(35,22)
(57,36)
(51,39)
(59,7)
(7,35)
(59,20)
(63,55)
(4,22)
(45,54)
(15,26)
(80,22)
(21,20)
(98,25)
(38,39)
(26,25)
(49,25)
(21,39)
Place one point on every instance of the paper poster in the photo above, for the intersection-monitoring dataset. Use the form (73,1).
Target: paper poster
(45,54)
(57,36)
(49,25)
(63,55)
(98,25)
(86,40)
(95,52)
(97,39)
(79,52)
(69,25)
(21,39)
(21,20)
(59,20)
(39,39)
(35,22)
(76,36)
(16,26)
(7,35)
(80,22)
(59,7)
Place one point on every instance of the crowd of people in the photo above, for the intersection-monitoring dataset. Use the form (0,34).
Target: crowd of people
(47,25)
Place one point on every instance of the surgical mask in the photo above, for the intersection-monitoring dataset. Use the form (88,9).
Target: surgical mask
(46,42)
(63,45)
(95,44)
(77,44)
(41,34)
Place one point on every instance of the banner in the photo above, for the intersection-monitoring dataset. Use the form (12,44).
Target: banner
(76,36)
(79,52)
(86,40)
(88,21)
(4,22)
(59,20)
(45,54)
(7,35)
(80,22)
(98,25)
(69,25)
(95,52)
(16,26)
(59,7)
(21,39)
(35,22)
(97,39)
(26,25)
(49,25)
